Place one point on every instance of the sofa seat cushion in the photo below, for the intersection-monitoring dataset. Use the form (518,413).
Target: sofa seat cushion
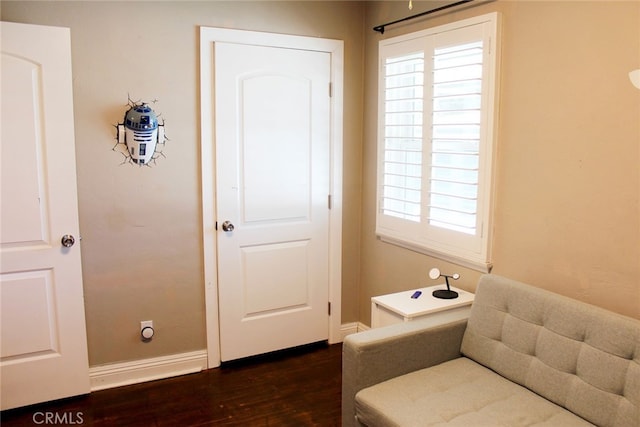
(460,392)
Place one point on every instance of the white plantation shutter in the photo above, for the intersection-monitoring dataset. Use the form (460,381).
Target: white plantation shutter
(402,170)
(455,137)
(435,144)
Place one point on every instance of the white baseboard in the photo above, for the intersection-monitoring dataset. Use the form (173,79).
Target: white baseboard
(348,329)
(138,371)
(362,327)
(352,328)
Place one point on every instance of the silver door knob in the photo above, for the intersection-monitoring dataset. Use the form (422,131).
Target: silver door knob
(67,240)
(227,226)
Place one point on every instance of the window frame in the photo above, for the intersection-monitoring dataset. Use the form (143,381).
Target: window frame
(472,251)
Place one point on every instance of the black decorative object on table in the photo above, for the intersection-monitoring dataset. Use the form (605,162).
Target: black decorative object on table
(434,273)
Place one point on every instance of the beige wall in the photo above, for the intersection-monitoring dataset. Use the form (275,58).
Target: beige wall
(141,227)
(567,214)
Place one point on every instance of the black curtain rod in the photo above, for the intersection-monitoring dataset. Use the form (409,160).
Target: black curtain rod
(380,28)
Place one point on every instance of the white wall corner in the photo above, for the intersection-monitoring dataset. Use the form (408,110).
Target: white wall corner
(362,327)
(352,328)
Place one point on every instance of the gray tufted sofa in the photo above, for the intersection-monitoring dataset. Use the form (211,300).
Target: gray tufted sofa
(525,357)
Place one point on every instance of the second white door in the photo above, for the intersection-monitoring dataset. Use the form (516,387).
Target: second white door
(272,113)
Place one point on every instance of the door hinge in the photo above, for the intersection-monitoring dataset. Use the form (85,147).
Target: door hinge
(330,90)
(329,201)
(216,225)
(329,307)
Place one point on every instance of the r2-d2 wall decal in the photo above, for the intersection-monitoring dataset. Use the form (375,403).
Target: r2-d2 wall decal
(140,133)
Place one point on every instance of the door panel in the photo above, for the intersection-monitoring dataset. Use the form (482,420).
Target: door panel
(273,178)
(43,341)
(27,301)
(268,293)
(267,168)
(23,212)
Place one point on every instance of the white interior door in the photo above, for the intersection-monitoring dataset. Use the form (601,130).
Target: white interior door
(44,347)
(210,40)
(273,183)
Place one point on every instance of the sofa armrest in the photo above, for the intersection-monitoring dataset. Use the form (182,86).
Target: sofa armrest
(377,355)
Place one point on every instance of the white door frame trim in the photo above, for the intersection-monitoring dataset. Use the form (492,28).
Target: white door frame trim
(208,37)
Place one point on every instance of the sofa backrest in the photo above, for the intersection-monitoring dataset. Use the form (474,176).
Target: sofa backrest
(581,357)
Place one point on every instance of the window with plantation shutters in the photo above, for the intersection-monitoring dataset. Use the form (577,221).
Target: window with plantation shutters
(435,140)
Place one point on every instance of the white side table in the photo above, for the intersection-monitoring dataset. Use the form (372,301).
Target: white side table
(400,307)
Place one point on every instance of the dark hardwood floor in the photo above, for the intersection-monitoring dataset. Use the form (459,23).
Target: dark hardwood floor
(298,387)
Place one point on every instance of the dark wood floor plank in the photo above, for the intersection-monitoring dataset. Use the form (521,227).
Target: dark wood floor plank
(299,387)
